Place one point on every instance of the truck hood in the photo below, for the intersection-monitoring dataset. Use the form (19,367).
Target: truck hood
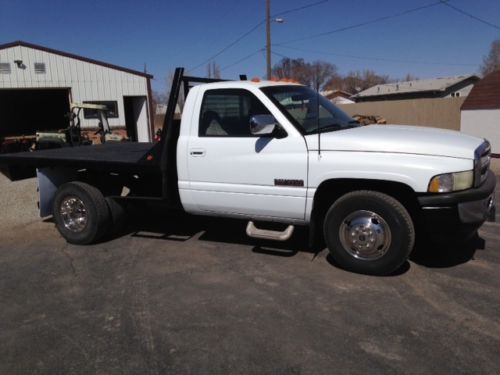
(398,139)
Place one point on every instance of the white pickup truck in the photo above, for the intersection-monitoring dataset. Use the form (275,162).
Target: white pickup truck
(276,152)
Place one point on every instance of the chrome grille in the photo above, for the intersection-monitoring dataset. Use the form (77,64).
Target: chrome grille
(481,163)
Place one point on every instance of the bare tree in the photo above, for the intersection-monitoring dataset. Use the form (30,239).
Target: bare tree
(292,68)
(370,78)
(353,82)
(491,62)
(358,81)
(158,98)
(322,72)
(314,74)
(324,75)
(336,82)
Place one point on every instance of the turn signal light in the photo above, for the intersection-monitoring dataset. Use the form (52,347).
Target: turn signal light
(448,182)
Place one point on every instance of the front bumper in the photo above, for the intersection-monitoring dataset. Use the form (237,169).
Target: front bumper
(470,207)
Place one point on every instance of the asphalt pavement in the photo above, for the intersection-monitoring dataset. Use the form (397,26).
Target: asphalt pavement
(184,295)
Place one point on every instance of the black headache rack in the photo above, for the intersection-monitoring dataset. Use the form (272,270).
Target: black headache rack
(124,157)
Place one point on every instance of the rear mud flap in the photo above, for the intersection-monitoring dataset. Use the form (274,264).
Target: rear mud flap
(49,180)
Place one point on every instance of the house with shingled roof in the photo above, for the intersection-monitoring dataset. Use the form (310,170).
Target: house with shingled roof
(480,112)
(448,87)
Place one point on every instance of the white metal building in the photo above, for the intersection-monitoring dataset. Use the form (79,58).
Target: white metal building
(480,112)
(37,85)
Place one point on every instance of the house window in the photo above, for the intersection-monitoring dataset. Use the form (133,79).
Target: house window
(39,68)
(4,68)
(111,106)
(457,94)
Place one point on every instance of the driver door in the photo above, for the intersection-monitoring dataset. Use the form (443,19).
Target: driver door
(234,173)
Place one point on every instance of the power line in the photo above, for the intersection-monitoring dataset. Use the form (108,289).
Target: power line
(228,46)
(279,54)
(300,8)
(373,58)
(345,28)
(465,13)
(242,59)
(365,23)
(245,34)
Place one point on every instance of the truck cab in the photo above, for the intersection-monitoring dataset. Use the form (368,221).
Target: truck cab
(274,151)
(227,169)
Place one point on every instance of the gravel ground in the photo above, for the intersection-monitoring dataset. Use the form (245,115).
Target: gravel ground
(184,295)
(18,203)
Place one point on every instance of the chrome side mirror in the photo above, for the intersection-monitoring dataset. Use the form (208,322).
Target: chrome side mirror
(263,124)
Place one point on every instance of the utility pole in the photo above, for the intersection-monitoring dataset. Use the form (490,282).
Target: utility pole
(268,38)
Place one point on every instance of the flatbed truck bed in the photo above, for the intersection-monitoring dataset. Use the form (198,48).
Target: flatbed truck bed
(125,156)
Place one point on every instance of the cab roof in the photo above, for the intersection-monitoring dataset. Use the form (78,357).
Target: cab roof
(248,84)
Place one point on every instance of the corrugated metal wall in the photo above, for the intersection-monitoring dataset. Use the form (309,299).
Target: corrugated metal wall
(87,81)
(439,113)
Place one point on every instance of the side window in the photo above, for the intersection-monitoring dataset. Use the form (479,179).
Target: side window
(227,113)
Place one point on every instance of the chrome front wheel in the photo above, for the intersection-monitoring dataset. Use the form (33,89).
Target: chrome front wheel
(365,235)
(369,232)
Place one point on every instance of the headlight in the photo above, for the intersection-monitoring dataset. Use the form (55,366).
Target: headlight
(448,182)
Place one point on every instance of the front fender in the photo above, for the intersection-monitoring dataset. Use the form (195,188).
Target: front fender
(413,170)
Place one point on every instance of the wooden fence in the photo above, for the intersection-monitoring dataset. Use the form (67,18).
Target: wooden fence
(439,113)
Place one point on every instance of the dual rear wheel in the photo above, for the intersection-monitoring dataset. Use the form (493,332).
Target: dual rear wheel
(83,215)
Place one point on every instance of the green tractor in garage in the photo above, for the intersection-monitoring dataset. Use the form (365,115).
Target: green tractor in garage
(72,135)
(68,137)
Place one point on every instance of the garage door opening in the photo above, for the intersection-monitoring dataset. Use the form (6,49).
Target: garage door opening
(136,118)
(23,112)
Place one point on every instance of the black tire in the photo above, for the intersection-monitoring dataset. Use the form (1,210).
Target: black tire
(97,215)
(389,234)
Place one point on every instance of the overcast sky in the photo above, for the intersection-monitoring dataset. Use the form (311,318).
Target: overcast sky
(435,41)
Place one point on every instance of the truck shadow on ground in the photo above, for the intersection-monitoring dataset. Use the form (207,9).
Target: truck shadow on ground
(183,227)
(441,254)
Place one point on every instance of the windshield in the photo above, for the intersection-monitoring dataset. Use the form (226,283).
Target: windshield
(300,105)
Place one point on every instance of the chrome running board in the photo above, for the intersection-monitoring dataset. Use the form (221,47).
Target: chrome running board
(265,234)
